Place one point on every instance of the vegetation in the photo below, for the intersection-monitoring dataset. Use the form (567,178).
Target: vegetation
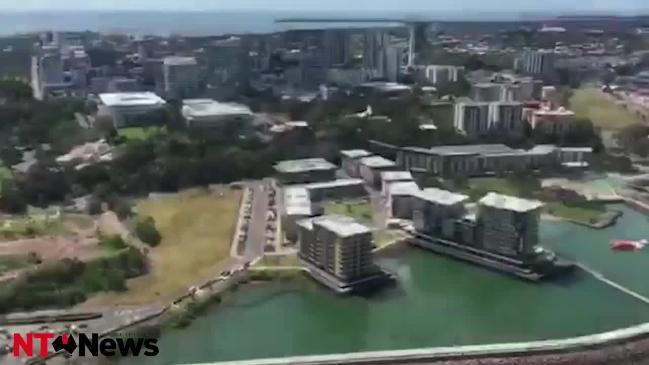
(113,242)
(635,139)
(15,262)
(197,228)
(587,213)
(591,103)
(359,210)
(70,281)
(141,133)
(147,232)
(34,224)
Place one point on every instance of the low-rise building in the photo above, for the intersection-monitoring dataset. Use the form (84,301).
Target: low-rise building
(296,206)
(553,121)
(131,109)
(477,160)
(390,177)
(336,189)
(370,169)
(350,161)
(304,171)
(400,199)
(210,114)
(508,225)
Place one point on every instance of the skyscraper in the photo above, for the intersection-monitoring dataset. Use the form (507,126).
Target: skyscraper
(181,77)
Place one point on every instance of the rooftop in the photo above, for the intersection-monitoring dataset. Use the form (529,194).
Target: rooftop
(507,202)
(472,149)
(297,201)
(341,225)
(179,61)
(376,161)
(307,164)
(440,196)
(333,183)
(131,99)
(196,108)
(403,188)
(355,153)
(396,175)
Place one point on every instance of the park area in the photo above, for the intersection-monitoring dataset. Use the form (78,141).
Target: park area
(197,227)
(602,110)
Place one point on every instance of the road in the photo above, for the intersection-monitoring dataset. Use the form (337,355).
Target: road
(36,87)
(256,239)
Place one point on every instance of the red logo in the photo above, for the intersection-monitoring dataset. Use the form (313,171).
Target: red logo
(25,344)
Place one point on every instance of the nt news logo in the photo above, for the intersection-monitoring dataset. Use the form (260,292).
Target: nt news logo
(38,343)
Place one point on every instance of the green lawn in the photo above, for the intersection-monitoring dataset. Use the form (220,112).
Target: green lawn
(359,210)
(13,262)
(587,213)
(141,133)
(197,227)
(591,103)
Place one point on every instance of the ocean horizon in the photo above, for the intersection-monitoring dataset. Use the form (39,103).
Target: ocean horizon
(194,23)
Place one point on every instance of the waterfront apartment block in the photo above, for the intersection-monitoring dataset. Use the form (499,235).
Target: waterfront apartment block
(304,171)
(435,208)
(400,199)
(477,160)
(337,245)
(508,225)
(391,177)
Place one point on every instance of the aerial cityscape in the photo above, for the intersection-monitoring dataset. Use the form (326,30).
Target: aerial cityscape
(385,187)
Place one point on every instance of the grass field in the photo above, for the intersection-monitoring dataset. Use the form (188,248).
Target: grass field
(581,213)
(360,210)
(13,262)
(141,133)
(591,103)
(197,229)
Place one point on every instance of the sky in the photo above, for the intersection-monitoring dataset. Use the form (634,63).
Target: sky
(571,6)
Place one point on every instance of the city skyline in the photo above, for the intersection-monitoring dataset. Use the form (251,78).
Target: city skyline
(620,6)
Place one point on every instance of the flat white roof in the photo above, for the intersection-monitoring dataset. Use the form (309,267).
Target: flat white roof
(443,197)
(307,164)
(208,107)
(131,99)
(297,201)
(376,161)
(341,225)
(512,203)
(403,188)
(355,153)
(179,61)
(333,183)
(396,176)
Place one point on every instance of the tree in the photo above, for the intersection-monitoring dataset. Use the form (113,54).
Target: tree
(147,232)
(15,90)
(12,199)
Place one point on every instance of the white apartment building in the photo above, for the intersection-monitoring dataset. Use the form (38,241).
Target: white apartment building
(508,225)
(338,245)
(475,119)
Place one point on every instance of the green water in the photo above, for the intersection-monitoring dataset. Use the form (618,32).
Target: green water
(437,302)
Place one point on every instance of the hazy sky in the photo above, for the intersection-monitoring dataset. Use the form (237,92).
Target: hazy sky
(308,5)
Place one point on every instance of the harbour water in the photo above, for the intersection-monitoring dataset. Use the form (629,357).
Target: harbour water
(437,302)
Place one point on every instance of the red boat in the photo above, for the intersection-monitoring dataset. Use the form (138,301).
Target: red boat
(627,245)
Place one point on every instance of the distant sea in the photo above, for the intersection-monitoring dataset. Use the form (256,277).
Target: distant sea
(209,23)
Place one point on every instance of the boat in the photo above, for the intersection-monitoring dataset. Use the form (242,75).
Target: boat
(628,245)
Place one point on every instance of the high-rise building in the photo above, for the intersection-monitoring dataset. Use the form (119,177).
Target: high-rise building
(181,77)
(337,245)
(433,209)
(439,74)
(336,47)
(508,225)
(51,68)
(395,59)
(375,42)
(537,62)
(553,121)
(472,118)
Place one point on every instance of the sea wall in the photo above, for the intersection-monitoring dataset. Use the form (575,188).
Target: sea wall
(623,346)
